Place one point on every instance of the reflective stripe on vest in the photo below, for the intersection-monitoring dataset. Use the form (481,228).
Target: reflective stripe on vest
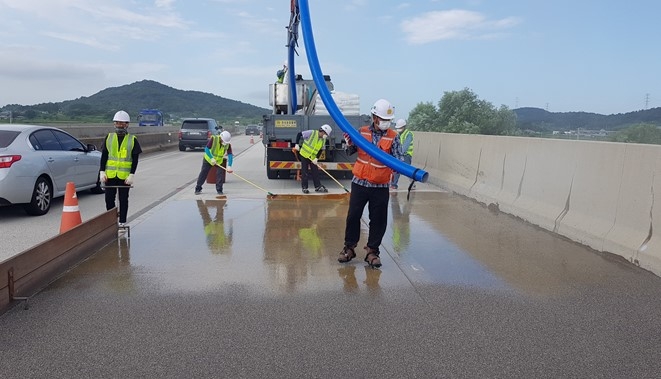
(312,145)
(402,138)
(119,156)
(369,168)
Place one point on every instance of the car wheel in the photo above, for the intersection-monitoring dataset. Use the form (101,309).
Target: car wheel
(42,196)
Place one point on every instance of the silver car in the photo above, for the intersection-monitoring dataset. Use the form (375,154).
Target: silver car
(36,162)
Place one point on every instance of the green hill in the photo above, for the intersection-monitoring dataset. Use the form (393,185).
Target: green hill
(174,103)
(543,121)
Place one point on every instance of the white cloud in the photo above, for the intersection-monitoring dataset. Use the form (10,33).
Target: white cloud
(83,40)
(452,24)
(167,4)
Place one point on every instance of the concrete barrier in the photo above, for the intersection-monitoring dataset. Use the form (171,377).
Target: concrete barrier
(459,160)
(152,138)
(600,194)
(638,215)
(148,142)
(545,182)
(594,193)
(26,273)
(427,154)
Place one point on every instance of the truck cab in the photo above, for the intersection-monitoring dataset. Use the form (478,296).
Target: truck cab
(150,117)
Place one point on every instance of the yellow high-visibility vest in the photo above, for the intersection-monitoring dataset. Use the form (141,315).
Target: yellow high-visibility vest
(119,156)
(312,145)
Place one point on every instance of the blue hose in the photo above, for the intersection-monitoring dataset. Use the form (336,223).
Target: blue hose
(311,52)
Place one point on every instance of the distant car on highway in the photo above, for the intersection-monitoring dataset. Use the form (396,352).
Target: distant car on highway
(253,129)
(195,132)
(36,162)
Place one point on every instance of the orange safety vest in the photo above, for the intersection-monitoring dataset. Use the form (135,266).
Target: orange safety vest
(369,168)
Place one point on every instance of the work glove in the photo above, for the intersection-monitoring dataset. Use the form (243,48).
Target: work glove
(229,169)
(102,177)
(315,161)
(347,139)
(129,180)
(297,148)
(213,162)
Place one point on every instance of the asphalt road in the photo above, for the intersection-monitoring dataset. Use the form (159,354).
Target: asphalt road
(159,175)
(250,287)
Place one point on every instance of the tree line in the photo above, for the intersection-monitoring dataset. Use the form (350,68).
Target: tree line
(464,112)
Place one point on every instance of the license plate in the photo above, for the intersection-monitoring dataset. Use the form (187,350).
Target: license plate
(285,123)
(194,133)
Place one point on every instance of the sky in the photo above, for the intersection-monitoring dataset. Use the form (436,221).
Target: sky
(599,56)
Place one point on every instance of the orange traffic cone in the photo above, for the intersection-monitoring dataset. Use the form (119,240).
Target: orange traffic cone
(252,140)
(70,211)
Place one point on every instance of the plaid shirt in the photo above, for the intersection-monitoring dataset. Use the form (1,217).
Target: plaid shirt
(395,151)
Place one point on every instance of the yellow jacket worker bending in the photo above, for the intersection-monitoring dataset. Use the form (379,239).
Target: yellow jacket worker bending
(312,144)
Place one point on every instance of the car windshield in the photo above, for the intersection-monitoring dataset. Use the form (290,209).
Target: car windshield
(7,137)
(195,125)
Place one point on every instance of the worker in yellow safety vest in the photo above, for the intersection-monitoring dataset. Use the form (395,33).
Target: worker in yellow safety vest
(312,143)
(406,140)
(119,160)
(218,152)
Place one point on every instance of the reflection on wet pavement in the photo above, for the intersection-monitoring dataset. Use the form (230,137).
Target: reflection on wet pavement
(291,245)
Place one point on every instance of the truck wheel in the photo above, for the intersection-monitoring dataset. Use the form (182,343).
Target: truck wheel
(271,174)
(182,148)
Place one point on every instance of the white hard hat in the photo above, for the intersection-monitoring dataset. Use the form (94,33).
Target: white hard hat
(122,116)
(400,123)
(226,136)
(383,109)
(327,129)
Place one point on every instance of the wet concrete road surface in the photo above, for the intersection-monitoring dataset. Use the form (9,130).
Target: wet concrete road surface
(251,287)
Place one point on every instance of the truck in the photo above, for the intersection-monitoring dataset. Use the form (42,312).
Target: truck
(150,117)
(296,107)
(283,125)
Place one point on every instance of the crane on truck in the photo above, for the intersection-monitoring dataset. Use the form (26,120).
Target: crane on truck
(295,109)
(294,106)
(301,11)
(150,117)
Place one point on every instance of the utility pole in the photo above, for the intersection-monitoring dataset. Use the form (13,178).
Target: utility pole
(647,100)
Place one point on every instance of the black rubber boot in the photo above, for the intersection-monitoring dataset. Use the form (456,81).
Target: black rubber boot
(321,189)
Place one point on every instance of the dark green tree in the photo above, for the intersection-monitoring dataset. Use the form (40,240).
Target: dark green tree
(463,112)
(639,133)
(424,117)
(30,114)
